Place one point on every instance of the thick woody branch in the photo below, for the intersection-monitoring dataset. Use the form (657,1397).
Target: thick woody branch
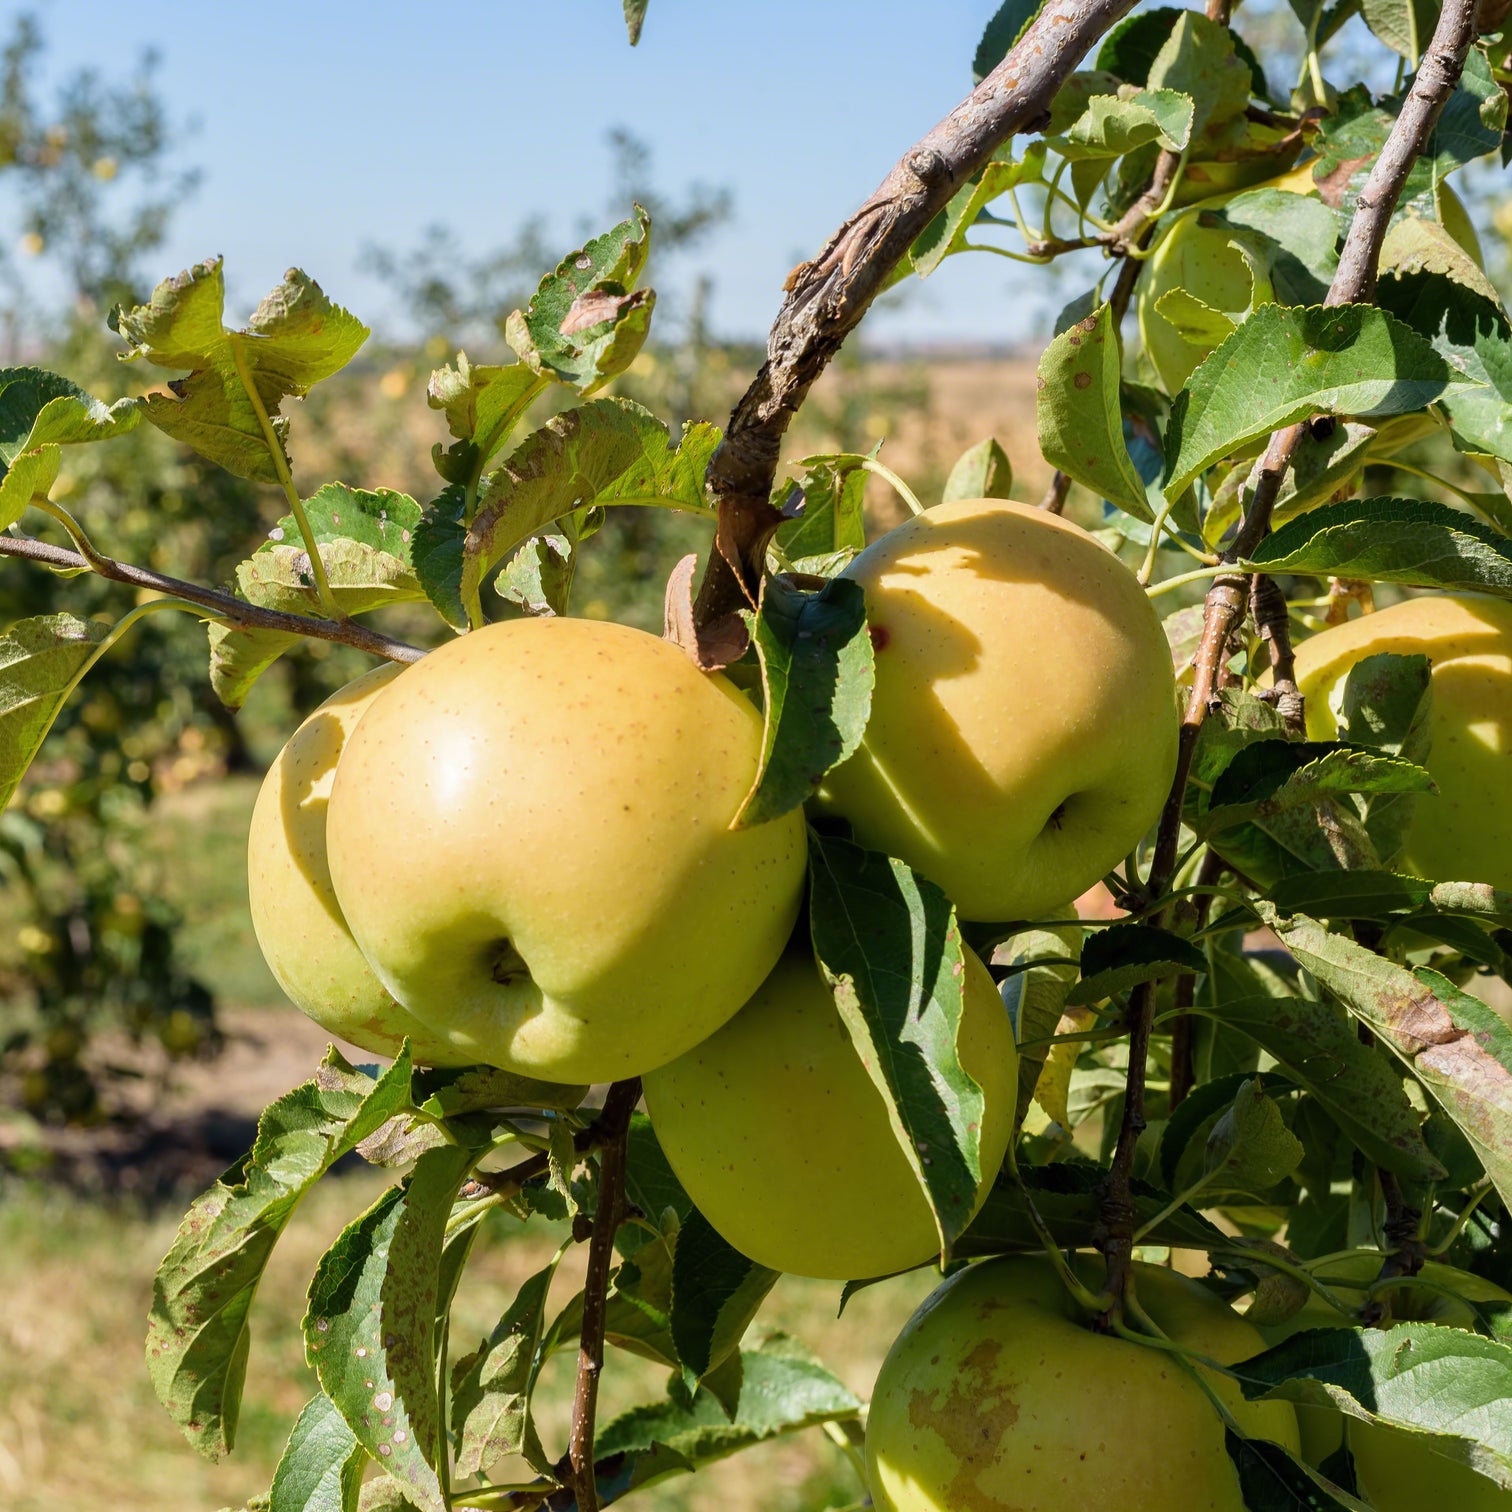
(1354,281)
(235,612)
(828,296)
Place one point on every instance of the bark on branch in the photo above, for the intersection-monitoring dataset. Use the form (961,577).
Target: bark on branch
(828,296)
(235,612)
(1354,282)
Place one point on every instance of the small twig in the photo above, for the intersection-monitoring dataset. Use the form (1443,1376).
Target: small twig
(1408,1252)
(613,1125)
(1272,623)
(221,606)
(1055,496)
(1354,280)
(828,296)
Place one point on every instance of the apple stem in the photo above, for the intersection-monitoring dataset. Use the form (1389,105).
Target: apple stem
(612,1129)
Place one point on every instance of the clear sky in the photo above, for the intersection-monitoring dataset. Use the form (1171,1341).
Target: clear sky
(329,124)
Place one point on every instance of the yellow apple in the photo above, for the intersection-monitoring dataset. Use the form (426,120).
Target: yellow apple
(1464,834)
(1397,1471)
(530,839)
(781,1138)
(1023,728)
(997,1396)
(295,915)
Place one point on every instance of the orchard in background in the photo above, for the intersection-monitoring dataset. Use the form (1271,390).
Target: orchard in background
(802,870)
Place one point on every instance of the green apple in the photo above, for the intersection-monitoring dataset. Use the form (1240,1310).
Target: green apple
(1397,1471)
(781,1138)
(998,1396)
(295,915)
(1464,834)
(1023,727)
(530,840)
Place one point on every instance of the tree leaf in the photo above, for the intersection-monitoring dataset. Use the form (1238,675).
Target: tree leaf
(783,1390)
(198,1333)
(1337,771)
(1272,1480)
(482,405)
(1414,542)
(38,408)
(296,338)
(945,235)
(322,1468)
(817,669)
(609,451)
(1403,25)
(982,471)
(1250,1144)
(1122,955)
(1285,363)
(889,942)
(1080,422)
(584,324)
(41,660)
(1444,1382)
(716,1293)
(1319,1049)
(832,519)
(1111,125)
(30,476)
(1035,995)
(371,1317)
(1458,1048)
(1007,25)
(1198,59)
(492,1386)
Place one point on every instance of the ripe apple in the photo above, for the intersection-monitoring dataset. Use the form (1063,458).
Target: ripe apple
(998,1395)
(1397,1470)
(530,838)
(1023,728)
(295,915)
(1464,834)
(781,1138)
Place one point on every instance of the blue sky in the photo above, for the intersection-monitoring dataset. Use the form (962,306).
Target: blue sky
(330,124)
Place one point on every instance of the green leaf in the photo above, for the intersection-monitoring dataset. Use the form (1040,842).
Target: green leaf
(482,407)
(1112,125)
(1338,771)
(816,676)
(946,233)
(982,471)
(1446,1382)
(1008,23)
(198,1333)
(1285,363)
(1198,59)
(296,338)
(1387,703)
(1456,1046)
(1403,25)
(1272,1480)
(1350,895)
(783,1389)
(1413,542)
(635,19)
(492,1386)
(370,1323)
(716,1293)
(436,553)
(1303,229)
(1473,119)
(1415,243)
(1122,955)
(1474,336)
(365,540)
(609,451)
(832,520)
(1043,964)
(1068,1197)
(1079,419)
(584,324)
(1250,1143)
(39,409)
(889,942)
(41,661)
(538,577)
(322,1468)
(1318,1048)
(30,476)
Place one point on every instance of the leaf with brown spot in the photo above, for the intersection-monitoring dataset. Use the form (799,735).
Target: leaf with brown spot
(1459,1049)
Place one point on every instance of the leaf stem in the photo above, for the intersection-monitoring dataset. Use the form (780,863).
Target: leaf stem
(285,478)
(888,476)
